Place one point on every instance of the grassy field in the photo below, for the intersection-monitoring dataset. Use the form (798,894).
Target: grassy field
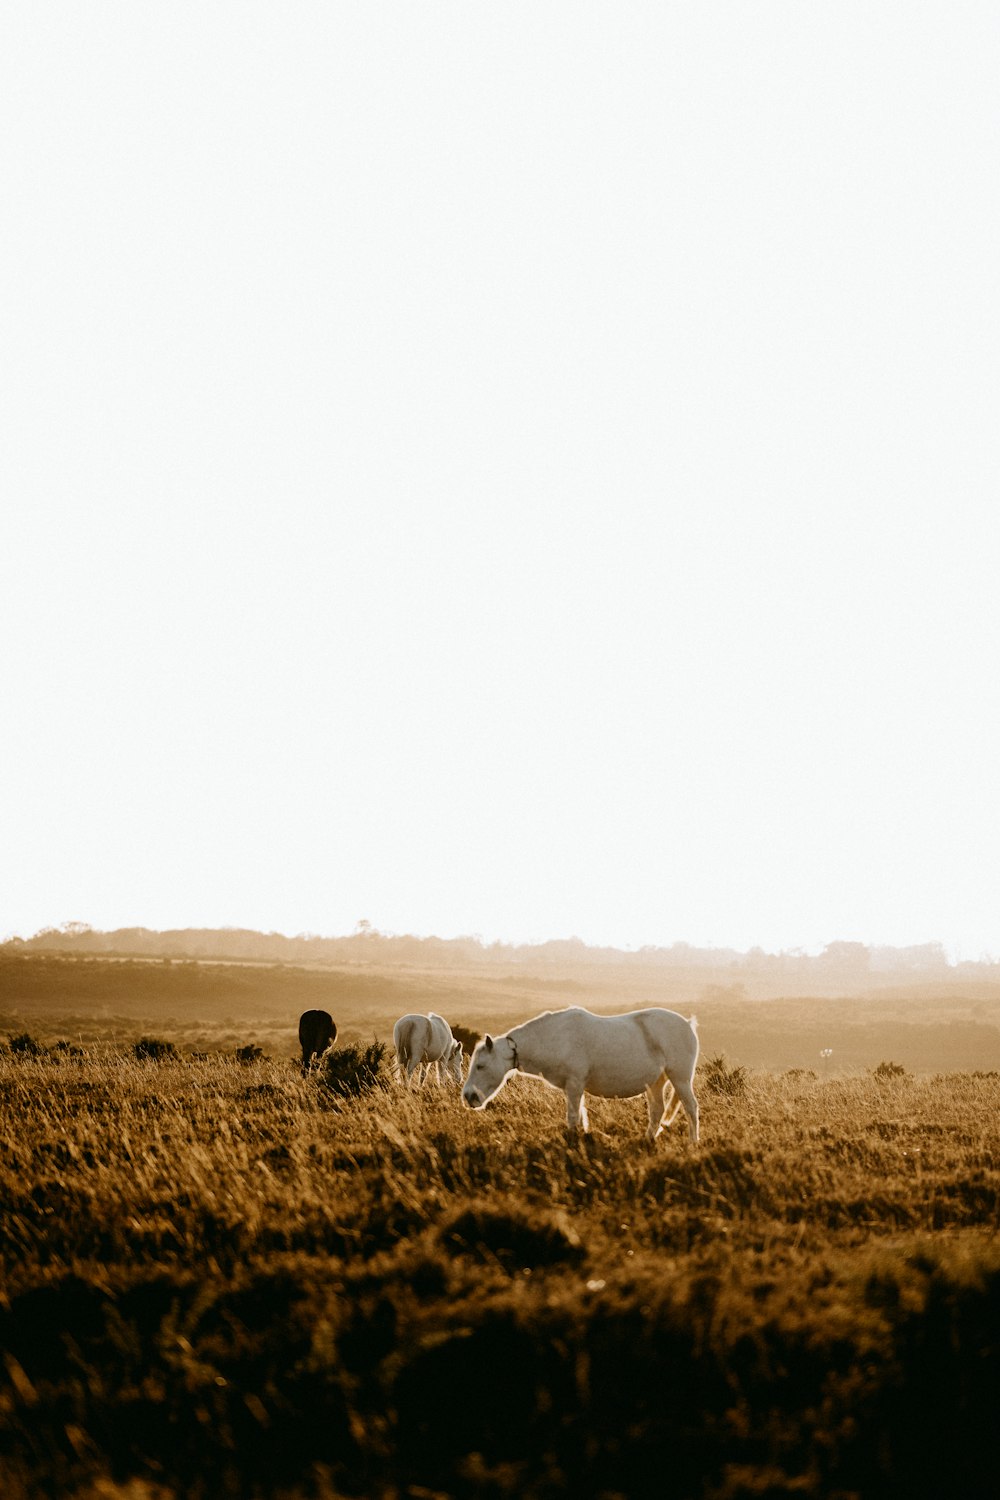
(225,1280)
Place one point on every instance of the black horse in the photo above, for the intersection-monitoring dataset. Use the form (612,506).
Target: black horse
(317,1032)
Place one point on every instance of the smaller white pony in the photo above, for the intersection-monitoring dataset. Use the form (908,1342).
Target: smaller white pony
(614,1057)
(425,1042)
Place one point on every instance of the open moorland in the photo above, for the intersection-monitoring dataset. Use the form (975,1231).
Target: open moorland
(927,1025)
(225,1279)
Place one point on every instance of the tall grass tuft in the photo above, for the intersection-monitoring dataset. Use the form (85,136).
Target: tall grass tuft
(717,1076)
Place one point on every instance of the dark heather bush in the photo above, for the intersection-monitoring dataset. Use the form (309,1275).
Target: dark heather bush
(25,1045)
(353,1069)
(469,1039)
(151,1049)
(886,1070)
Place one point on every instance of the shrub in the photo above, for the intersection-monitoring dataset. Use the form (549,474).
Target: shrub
(887,1070)
(25,1046)
(151,1049)
(353,1069)
(719,1077)
(250,1054)
(469,1039)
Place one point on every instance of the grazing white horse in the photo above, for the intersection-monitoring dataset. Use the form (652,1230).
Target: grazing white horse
(425,1042)
(614,1057)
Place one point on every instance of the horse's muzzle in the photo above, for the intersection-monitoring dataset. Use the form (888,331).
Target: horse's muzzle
(473,1098)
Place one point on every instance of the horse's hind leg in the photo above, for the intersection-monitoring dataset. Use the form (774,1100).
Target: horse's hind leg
(663,1106)
(685,1094)
(576,1110)
(412,1067)
(654,1102)
(670,1108)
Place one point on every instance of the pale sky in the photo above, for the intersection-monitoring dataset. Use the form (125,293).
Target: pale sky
(524,469)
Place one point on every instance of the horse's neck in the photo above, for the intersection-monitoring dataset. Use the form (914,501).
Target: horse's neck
(523,1039)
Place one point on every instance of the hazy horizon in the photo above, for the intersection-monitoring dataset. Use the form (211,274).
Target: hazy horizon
(528,472)
(842,950)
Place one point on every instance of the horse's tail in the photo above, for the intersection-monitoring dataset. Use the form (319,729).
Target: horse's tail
(402,1039)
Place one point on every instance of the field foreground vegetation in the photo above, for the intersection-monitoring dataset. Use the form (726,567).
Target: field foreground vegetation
(223,1280)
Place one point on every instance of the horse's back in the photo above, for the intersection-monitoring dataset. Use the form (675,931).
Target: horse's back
(425,1038)
(665,1022)
(410,1035)
(439,1037)
(580,1024)
(666,1031)
(616,1055)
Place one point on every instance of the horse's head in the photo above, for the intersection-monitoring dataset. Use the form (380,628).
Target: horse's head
(491,1065)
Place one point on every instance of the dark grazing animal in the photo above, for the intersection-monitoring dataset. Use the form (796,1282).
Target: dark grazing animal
(317,1032)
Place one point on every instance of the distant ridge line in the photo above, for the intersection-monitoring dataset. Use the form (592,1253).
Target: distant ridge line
(369,946)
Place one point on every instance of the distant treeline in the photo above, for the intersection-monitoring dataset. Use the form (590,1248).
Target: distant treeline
(369,946)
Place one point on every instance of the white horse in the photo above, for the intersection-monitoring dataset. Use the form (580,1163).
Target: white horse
(614,1057)
(425,1042)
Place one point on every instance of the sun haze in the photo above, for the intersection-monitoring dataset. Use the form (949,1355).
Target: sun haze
(518,470)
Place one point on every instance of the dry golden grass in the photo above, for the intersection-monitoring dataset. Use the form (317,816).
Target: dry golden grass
(221,1280)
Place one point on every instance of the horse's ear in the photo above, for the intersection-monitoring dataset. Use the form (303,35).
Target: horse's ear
(489,1042)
